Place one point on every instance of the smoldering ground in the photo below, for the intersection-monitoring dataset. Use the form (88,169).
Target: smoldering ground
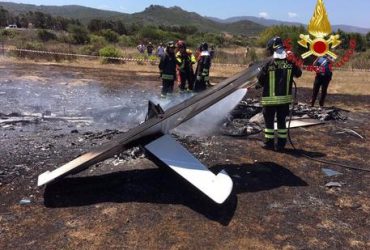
(278,201)
(98,107)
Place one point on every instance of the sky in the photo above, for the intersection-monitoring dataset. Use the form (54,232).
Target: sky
(349,12)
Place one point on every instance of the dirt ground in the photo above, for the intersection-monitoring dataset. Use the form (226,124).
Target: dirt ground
(279,200)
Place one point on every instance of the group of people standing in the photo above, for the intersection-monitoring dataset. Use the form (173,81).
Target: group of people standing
(177,65)
(149,49)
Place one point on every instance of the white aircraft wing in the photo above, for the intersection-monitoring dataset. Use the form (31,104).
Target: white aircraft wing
(169,151)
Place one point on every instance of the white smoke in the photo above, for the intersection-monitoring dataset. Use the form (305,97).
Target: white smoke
(107,108)
(207,122)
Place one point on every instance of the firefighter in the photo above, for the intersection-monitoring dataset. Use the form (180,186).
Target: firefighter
(323,77)
(276,78)
(185,60)
(203,67)
(167,68)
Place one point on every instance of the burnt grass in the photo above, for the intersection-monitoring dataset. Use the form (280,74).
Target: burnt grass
(279,200)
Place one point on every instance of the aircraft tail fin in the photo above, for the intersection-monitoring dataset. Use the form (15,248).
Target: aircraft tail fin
(153,110)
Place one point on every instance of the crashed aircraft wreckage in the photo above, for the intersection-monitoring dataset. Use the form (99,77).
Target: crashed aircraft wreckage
(153,134)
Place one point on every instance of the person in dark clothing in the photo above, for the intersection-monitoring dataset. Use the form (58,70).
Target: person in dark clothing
(322,79)
(212,52)
(276,78)
(203,67)
(185,60)
(150,49)
(167,68)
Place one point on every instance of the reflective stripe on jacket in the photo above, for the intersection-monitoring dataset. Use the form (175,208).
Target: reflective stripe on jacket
(167,67)
(203,66)
(276,78)
(168,77)
(185,61)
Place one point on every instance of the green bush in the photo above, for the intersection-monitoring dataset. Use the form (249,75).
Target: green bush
(195,40)
(45,35)
(153,59)
(96,43)
(128,41)
(252,55)
(64,38)
(79,34)
(111,52)
(346,37)
(30,46)
(110,35)
(8,33)
(156,35)
(285,32)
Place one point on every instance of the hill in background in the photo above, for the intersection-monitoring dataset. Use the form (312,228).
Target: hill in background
(173,16)
(153,15)
(84,14)
(272,22)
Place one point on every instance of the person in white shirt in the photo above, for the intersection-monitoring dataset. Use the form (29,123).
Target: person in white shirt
(160,50)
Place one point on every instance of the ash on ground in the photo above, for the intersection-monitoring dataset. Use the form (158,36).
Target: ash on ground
(247,118)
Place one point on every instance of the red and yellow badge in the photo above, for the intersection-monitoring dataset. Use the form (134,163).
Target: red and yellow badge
(319,27)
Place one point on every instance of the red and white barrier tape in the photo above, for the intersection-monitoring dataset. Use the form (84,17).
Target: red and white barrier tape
(124,59)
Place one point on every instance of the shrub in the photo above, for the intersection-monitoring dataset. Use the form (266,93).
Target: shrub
(45,35)
(127,41)
(79,34)
(252,55)
(110,35)
(96,43)
(8,33)
(30,46)
(211,38)
(285,32)
(110,51)
(156,35)
(153,59)
(64,38)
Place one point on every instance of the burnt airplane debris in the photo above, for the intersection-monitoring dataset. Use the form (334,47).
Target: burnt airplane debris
(36,118)
(247,118)
(153,134)
(240,127)
(323,114)
(239,121)
(333,185)
(330,173)
(350,132)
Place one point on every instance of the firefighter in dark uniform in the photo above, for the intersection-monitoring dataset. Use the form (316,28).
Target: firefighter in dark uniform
(185,60)
(203,67)
(167,68)
(276,78)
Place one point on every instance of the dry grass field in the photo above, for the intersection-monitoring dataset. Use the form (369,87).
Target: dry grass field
(356,82)
(279,200)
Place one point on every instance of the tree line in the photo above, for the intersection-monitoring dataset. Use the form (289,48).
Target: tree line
(293,32)
(114,31)
(39,20)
